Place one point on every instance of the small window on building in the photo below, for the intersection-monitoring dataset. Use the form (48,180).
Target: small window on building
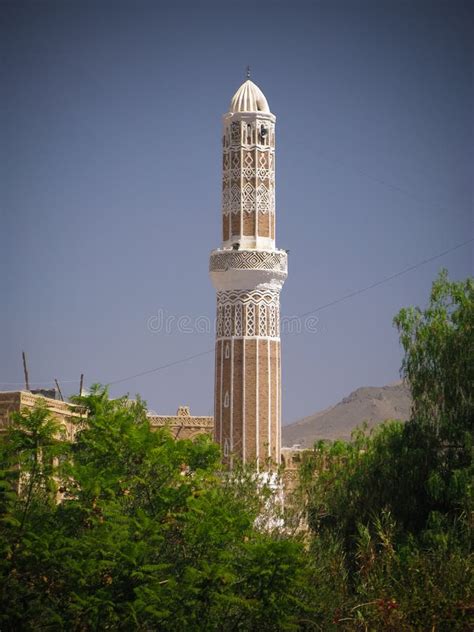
(227,351)
(226,447)
(226,399)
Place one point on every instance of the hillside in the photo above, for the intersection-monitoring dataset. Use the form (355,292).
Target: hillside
(373,404)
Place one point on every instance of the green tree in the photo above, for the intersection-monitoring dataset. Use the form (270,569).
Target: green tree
(125,528)
(31,457)
(395,505)
(439,357)
(439,367)
(148,533)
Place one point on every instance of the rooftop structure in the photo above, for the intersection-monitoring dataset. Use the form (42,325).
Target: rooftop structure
(183,425)
(17,401)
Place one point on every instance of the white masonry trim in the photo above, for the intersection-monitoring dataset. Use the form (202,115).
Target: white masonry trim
(231,402)
(269,372)
(257,398)
(244,434)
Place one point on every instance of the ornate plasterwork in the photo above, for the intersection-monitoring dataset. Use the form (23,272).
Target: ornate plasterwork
(233,297)
(238,319)
(220,321)
(248,131)
(243,269)
(248,260)
(262,320)
(273,321)
(235,132)
(248,177)
(227,320)
(248,313)
(240,193)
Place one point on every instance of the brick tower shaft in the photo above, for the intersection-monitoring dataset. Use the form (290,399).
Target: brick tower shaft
(248,272)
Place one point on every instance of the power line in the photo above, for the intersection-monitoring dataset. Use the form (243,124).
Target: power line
(159,368)
(390,185)
(316,309)
(386,279)
(312,311)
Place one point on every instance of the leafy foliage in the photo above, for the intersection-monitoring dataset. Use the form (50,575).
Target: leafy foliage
(148,532)
(124,528)
(392,509)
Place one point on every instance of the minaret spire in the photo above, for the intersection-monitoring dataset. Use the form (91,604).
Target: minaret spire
(248,272)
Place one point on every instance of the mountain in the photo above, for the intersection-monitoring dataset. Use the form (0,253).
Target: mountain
(373,404)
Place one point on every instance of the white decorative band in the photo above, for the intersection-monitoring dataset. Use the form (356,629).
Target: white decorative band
(248,313)
(273,338)
(249,260)
(248,296)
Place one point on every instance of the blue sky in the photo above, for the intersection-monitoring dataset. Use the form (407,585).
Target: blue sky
(110,193)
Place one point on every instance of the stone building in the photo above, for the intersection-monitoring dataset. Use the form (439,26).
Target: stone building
(248,272)
(291,459)
(183,425)
(16,401)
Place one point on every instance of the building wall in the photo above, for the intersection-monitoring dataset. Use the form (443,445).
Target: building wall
(16,401)
(183,425)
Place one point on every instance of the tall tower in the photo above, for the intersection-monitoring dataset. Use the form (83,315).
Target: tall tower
(248,272)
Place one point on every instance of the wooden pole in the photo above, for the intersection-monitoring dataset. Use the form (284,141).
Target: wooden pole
(59,390)
(25,370)
(80,384)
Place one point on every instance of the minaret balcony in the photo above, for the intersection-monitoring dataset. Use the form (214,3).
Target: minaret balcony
(247,269)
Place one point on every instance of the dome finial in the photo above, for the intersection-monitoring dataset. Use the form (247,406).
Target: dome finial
(249,98)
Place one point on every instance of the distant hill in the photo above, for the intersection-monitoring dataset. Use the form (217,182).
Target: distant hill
(373,404)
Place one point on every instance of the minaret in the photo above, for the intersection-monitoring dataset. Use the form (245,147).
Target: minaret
(248,272)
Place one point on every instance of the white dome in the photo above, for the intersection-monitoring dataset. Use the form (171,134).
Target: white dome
(249,98)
